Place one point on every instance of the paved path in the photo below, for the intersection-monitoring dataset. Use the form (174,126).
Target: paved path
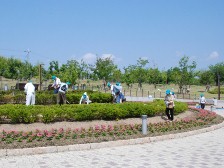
(205,150)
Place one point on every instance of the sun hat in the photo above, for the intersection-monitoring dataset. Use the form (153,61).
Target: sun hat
(167,91)
(118,84)
(53,77)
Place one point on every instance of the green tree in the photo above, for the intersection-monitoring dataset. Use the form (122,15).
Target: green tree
(70,71)
(154,76)
(54,68)
(104,68)
(218,71)
(184,74)
(206,77)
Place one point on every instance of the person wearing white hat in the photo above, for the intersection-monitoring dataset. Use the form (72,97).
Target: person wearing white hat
(29,90)
(84,99)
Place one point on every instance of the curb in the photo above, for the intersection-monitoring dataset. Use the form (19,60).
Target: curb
(89,146)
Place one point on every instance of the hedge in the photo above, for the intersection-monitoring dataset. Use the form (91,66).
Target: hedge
(74,112)
(48,98)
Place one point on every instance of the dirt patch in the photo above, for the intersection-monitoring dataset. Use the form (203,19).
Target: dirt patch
(88,124)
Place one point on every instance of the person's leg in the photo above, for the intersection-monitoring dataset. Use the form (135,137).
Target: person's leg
(28,99)
(202,105)
(167,113)
(33,99)
(58,98)
(63,98)
(171,114)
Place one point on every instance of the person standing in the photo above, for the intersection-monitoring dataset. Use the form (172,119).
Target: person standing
(202,101)
(61,98)
(29,89)
(169,101)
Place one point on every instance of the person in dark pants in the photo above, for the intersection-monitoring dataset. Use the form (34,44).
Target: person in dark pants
(169,101)
(62,93)
(202,101)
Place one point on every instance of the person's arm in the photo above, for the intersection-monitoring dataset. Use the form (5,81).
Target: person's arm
(80,101)
(87,99)
(25,88)
(53,84)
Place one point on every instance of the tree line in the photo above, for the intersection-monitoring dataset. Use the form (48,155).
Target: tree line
(185,74)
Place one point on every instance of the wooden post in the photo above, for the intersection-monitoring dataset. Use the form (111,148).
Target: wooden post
(40,74)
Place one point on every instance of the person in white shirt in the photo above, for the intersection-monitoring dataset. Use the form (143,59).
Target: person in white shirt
(116,91)
(169,101)
(202,101)
(29,89)
(56,84)
(84,99)
(61,98)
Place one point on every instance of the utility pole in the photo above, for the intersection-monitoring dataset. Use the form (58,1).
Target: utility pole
(40,74)
(218,86)
(28,54)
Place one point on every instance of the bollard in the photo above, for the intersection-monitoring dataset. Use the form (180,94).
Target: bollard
(211,108)
(144,124)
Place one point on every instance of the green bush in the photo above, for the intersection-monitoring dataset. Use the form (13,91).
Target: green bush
(48,98)
(215,91)
(75,112)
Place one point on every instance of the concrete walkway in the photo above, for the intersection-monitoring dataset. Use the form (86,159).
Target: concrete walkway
(205,150)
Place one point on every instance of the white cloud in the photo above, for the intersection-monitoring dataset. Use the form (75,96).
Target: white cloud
(89,58)
(108,56)
(213,55)
(144,58)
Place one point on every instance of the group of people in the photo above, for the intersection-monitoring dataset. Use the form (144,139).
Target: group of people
(169,102)
(60,88)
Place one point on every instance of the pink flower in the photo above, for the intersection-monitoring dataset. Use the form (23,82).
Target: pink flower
(39,134)
(49,135)
(110,128)
(103,127)
(61,130)
(97,127)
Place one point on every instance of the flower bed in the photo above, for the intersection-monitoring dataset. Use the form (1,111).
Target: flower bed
(22,139)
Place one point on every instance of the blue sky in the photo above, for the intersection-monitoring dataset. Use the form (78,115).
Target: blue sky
(161,31)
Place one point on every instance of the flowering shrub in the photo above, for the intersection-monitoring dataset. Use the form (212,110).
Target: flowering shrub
(98,133)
